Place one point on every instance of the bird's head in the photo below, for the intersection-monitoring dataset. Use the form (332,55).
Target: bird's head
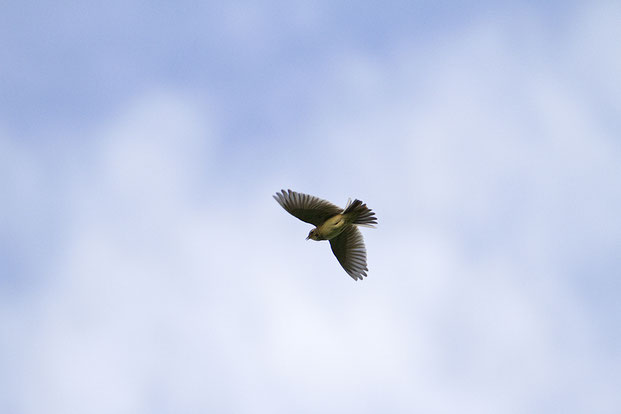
(313,235)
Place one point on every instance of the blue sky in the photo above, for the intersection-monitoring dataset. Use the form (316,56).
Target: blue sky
(145,268)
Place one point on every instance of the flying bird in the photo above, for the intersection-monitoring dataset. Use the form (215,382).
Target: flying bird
(333,223)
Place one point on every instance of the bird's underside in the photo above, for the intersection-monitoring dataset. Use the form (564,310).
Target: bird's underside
(339,226)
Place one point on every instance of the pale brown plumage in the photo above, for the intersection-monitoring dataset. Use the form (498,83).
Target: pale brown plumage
(333,223)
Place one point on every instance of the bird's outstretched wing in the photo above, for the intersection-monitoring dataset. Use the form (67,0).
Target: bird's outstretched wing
(306,207)
(348,247)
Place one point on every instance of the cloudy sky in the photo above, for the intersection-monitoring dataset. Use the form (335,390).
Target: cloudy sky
(145,267)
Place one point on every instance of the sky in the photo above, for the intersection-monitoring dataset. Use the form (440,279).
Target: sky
(145,267)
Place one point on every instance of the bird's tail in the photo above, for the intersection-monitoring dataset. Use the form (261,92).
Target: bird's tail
(362,215)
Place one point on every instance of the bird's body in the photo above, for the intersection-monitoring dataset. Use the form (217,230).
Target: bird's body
(331,228)
(337,225)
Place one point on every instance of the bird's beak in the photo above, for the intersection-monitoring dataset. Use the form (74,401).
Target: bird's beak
(307,237)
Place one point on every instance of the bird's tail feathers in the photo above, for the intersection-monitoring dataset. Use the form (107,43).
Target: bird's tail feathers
(363,215)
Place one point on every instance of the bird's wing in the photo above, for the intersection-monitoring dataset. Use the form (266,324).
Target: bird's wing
(348,247)
(306,207)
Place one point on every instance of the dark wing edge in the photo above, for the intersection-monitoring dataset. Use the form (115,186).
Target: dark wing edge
(348,247)
(306,207)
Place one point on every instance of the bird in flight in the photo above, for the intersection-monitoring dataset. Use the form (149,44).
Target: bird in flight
(333,223)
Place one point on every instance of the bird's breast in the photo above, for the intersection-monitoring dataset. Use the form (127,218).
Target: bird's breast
(332,227)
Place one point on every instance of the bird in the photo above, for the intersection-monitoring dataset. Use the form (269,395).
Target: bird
(333,223)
